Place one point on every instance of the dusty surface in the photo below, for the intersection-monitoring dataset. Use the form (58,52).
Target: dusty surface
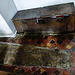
(41,19)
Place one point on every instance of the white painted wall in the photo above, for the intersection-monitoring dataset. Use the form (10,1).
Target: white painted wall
(5,30)
(27,4)
(7,11)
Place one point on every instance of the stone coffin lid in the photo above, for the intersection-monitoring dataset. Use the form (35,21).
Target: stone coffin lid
(61,9)
(39,19)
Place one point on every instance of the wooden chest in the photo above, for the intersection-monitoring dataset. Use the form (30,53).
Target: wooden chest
(50,19)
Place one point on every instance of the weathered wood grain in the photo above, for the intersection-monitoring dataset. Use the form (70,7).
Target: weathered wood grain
(39,19)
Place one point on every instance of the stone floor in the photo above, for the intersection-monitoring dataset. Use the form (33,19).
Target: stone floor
(38,55)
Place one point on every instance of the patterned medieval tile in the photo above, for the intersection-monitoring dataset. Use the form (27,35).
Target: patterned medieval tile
(72,43)
(73,49)
(6,73)
(66,72)
(27,69)
(34,69)
(68,47)
(72,70)
(73,39)
(54,71)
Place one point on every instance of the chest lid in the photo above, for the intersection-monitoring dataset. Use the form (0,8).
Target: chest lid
(61,9)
